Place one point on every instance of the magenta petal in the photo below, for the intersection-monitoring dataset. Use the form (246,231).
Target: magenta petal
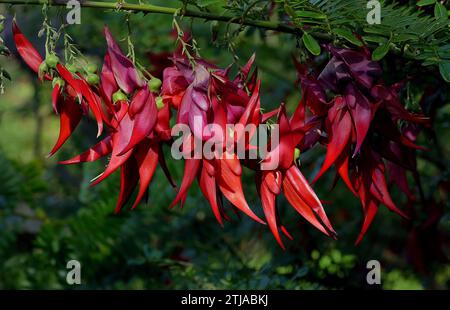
(125,72)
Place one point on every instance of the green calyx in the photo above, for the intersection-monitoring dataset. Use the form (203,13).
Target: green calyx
(57,81)
(93,79)
(296,154)
(154,84)
(51,60)
(43,69)
(119,96)
(159,103)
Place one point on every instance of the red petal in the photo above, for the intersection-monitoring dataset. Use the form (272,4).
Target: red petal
(69,117)
(304,190)
(341,128)
(191,169)
(369,213)
(26,50)
(230,184)
(146,157)
(101,149)
(119,140)
(128,181)
(208,187)
(82,89)
(300,206)
(268,202)
(144,121)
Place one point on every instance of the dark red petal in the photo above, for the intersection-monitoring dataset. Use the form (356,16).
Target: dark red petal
(340,134)
(369,213)
(208,187)
(128,182)
(146,157)
(268,200)
(191,169)
(69,118)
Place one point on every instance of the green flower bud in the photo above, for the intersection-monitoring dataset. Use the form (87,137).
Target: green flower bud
(119,96)
(159,103)
(71,68)
(155,85)
(93,79)
(51,60)
(91,68)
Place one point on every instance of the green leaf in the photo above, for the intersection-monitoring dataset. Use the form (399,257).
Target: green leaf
(290,10)
(380,51)
(311,44)
(404,37)
(425,2)
(444,69)
(440,12)
(377,29)
(310,14)
(348,35)
(375,39)
(205,3)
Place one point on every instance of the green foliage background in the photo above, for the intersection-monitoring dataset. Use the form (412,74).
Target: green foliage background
(49,215)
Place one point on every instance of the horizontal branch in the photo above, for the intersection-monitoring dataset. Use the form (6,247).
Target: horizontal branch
(150,8)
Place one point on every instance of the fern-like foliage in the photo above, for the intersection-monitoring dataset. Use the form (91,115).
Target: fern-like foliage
(409,30)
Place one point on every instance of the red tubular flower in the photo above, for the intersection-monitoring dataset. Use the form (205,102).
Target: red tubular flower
(223,171)
(287,177)
(137,128)
(361,120)
(64,94)
(26,50)
(359,125)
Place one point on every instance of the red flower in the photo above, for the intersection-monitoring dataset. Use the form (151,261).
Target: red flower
(360,120)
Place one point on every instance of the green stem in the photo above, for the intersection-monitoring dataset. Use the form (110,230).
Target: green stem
(150,8)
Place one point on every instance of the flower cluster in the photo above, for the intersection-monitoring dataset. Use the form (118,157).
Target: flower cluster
(133,112)
(360,119)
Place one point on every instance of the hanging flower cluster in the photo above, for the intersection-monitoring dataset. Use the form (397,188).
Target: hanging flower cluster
(353,113)
(360,121)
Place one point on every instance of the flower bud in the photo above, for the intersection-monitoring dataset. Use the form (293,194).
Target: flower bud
(159,103)
(51,60)
(154,84)
(119,96)
(91,68)
(93,79)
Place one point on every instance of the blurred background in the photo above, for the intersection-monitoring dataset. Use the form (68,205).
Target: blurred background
(49,215)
